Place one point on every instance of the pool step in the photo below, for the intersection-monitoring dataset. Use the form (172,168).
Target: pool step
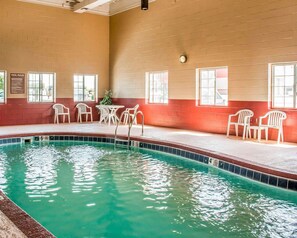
(121,143)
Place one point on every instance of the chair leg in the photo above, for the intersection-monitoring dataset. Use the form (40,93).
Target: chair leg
(259,134)
(63,118)
(125,119)
(278,136)
(244,131)
(91,117)
(228,128)
(68,118)
(248,133)
(236,129)
(266,133)
(87,117)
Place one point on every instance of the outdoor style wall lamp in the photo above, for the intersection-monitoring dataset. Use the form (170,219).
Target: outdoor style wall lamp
(144,4)
(183,59)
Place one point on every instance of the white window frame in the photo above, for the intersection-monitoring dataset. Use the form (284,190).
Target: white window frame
(150,98)
(199,88)
(95,87)
(271,75)
(5,86)
(39,95)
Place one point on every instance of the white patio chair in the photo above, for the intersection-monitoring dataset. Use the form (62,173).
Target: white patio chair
(240,118)
(274,120)
(104,114)
(83,109)
(131,112)
(61,110)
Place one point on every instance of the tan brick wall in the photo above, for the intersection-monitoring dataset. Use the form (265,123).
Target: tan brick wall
(40,38)
(244,35)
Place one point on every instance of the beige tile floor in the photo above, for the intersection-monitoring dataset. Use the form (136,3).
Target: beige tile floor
(8,229)
(269,154)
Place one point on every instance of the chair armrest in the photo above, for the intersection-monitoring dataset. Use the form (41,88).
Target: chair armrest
(260,119)
(130,109)
(231,115)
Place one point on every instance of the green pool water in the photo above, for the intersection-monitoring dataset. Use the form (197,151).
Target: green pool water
(92,190)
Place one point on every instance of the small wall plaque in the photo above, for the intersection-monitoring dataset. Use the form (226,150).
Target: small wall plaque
(17,83)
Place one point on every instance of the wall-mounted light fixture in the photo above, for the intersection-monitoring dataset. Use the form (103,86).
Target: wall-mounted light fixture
(183,59)
(144,4)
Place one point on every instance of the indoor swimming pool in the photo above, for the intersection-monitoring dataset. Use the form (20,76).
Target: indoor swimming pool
(87,189)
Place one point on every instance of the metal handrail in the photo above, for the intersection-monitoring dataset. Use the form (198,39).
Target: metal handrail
(130,124)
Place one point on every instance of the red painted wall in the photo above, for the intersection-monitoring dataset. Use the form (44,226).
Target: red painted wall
(186,115)
(20,112)
(182,114)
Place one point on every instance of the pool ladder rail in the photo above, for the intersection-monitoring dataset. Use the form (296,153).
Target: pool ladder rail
(130,124)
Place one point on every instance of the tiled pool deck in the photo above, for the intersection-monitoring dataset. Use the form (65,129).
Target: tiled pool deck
(280,159)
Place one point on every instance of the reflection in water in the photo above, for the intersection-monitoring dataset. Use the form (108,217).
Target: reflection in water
(210,198)
(279,220)
(3,165)
(84,160)
(156,183)
(41,173)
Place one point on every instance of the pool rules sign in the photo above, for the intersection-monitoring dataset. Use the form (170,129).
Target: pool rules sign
(17,83)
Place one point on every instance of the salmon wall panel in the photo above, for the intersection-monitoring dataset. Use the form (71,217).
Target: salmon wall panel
(18,111)
(183,114)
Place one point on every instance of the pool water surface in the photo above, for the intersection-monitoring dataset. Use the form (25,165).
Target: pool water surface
(79,189)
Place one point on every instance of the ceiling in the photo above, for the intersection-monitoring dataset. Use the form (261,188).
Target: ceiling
(101,7)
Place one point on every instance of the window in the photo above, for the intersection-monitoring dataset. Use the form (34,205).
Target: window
(157,87)
(284,85)
(214,86)
(2,86)
(85,87)
(41,87)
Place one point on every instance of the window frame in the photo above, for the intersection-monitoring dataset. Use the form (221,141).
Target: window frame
(271,85)
(148,88)
(95,87)
(28,86)
(199,88)
(5,87)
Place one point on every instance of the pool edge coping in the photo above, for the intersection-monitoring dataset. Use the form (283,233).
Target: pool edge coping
(22,220)
(210,153)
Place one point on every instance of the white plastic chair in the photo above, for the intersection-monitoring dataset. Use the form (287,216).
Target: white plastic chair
(274,121)
(61,110)
(104,114)
(243,118)
(83,109)
(131,112)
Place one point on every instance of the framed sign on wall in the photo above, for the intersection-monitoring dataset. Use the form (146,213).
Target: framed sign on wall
(17,83)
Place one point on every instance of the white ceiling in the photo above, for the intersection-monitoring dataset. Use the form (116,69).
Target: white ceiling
(108,8)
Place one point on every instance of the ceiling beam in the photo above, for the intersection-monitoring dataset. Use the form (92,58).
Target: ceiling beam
(88,4)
